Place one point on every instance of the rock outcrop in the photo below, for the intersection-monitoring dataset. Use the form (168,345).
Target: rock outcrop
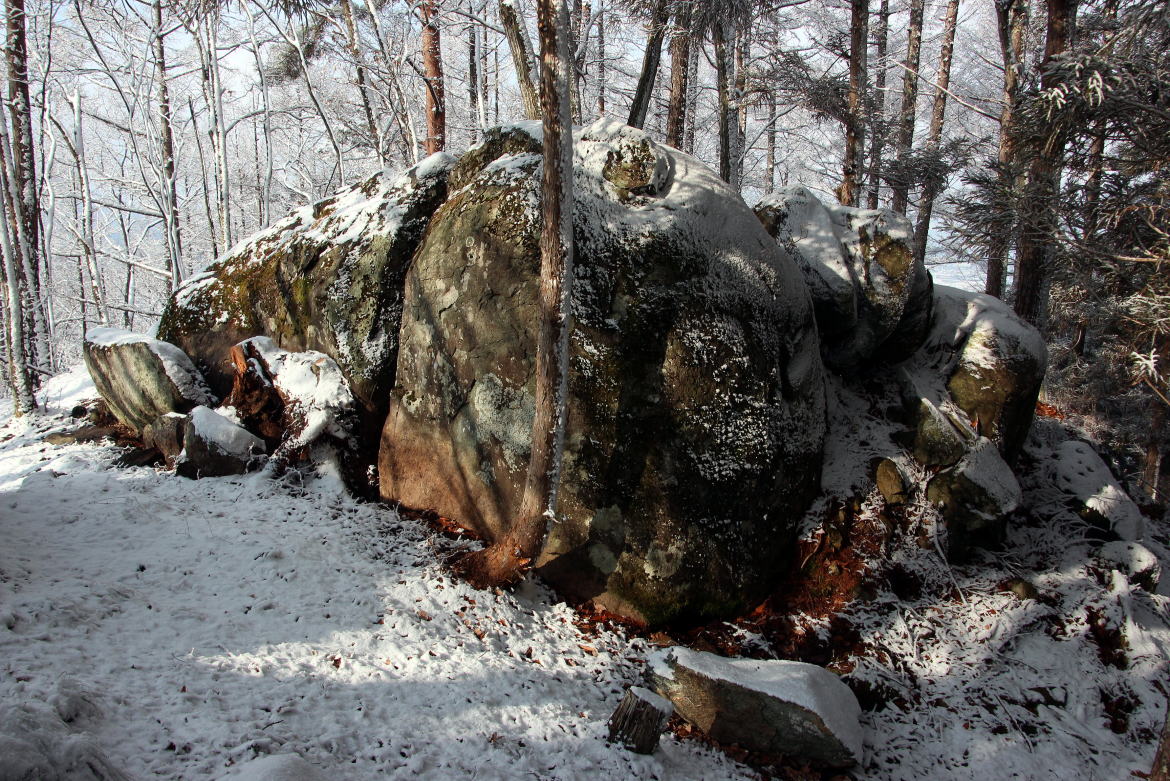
(141,378)
(328,277)
(696,400)
(872,297)
(798,710)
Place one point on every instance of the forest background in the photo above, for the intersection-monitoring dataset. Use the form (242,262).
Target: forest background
(1026,140)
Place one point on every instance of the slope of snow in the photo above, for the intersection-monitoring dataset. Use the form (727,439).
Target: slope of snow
(216,621)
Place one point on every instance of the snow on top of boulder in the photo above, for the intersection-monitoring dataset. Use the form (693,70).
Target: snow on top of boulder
(983,465)
(980,320)
(175,363)
(811,687)
(224,434)
(357,214)
(1079,471)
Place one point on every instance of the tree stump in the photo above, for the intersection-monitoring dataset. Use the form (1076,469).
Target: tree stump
(639,720)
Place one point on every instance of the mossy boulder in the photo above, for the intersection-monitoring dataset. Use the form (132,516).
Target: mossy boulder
(696,409)
(872,297)
(328,278)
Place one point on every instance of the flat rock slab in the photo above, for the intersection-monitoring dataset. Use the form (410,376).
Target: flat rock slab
(142,378)
(778,707)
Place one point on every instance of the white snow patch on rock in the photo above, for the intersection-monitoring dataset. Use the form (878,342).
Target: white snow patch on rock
(222,432)
(1079,472)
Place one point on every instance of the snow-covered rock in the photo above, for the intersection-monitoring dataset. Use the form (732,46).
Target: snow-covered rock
(214,446)
(1136,561)
(696,408)
(799,710)
(1095,494)
(975,497)
(141,378)
(872,296)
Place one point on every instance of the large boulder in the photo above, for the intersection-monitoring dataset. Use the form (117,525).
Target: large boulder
(141,378)
(990,364)
(872,296)
(328,277)
(696,410)
(795,709)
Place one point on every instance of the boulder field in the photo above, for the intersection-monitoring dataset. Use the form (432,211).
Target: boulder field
(704,340)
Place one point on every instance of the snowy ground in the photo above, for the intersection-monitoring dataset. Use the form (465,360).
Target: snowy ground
(189,627)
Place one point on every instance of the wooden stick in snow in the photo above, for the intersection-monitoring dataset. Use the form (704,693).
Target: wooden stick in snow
(639,720)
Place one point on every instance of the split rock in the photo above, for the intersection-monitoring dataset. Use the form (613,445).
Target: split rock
(141,378)
(872,297)
(777,707)
(991,361)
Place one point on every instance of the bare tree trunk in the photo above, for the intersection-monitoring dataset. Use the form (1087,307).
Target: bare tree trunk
(601,63)
(170,197)
(692,93)
(743,43)
(680,55)
(203,178)
(355,51)
(506,560)
(266,188)
(650,60)
(849,193)
(19,376)
(432,56)
(937,118)
(521,58)
(87,230)
(24,181)
(1012,23)
(473,77)
(770,177)
(877,144)
(906,116)
(723,76)
(1042,189)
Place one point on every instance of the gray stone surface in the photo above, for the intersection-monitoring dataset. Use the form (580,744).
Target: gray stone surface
(799,710)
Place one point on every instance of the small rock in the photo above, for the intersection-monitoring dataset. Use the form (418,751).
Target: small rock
(890,483)
(1136,561)
(975,497)
(166,435)
(1022,588)
(214,446)
(778,707)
